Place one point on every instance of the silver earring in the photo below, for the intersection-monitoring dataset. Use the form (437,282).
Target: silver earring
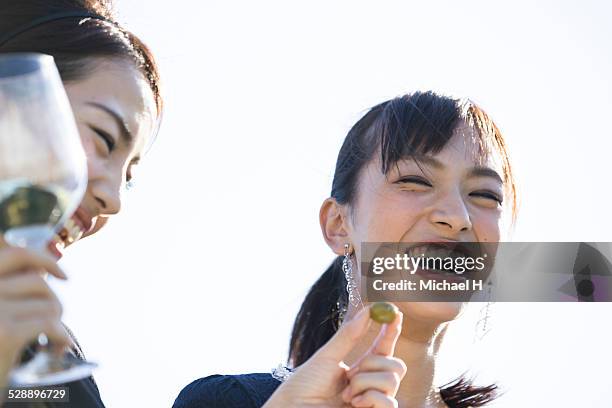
(484,320)
(129,185)
(351,285)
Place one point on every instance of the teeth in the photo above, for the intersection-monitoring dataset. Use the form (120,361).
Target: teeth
(433,252)
(442,253)
(73,232)
(429,252)
(59,242)
(417,251)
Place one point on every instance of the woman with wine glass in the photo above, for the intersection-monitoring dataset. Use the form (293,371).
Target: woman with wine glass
(418,168)
(112,82)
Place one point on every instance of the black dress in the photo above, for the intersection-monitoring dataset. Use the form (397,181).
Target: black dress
(82,394)
(228,391)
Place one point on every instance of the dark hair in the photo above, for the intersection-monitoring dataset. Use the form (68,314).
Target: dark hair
(408,126)
(74,41)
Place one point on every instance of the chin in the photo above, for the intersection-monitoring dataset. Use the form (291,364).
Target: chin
(431,312)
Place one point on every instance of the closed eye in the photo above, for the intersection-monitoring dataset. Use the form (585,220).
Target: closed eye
(488,195)
(108,139)
(414,180)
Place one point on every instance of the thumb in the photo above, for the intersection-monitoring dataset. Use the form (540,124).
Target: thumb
(345,338)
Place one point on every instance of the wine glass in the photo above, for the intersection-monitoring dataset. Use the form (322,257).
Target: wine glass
(43,176)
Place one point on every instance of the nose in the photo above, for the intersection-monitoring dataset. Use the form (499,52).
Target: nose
(450,214)
(107,193)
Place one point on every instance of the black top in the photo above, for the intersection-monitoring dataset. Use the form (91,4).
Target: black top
(82,394)
(253,390)
(228,391)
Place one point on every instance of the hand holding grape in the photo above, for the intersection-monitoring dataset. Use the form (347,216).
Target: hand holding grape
(326,381)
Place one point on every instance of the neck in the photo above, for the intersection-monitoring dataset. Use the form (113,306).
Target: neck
(418,347)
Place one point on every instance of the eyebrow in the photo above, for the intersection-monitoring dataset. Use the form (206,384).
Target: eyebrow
(125,132)
(477,171)
(485,172)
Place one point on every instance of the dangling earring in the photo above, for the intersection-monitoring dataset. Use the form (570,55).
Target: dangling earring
(484,320)
(351,285)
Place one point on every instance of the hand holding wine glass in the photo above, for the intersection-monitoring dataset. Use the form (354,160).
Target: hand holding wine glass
(43,176)
(28,306)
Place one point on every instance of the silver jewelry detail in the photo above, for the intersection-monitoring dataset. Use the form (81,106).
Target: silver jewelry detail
(282,372)
(351,285)
(483,321)
(435,397)
(341,311)
(129,185)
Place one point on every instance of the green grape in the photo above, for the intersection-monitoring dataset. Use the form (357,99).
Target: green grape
(383,312)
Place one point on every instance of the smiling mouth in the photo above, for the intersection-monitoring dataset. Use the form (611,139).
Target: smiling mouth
(441,257)
(73,230)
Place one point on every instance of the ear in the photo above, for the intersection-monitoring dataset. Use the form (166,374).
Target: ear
(332,218)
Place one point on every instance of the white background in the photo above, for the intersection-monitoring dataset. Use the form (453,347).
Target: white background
(205,268)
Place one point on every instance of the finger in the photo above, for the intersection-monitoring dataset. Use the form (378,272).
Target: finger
(355,367)
(374,399)
(345,338)
(386,382)
(27,331)
(385,344)
(375,362)
(27,284)
(16,259)
(31,309)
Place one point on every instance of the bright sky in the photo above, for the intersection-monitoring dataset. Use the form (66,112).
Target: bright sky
(205,269)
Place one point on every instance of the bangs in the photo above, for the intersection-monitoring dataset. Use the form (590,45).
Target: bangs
(422,123)
(412,126)
(490,140)
(415,125)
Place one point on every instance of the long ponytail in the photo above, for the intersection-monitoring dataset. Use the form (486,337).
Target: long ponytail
(319,316)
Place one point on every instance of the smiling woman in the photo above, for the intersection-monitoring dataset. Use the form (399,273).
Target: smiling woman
(113,86)
(112,83)
(421,168)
